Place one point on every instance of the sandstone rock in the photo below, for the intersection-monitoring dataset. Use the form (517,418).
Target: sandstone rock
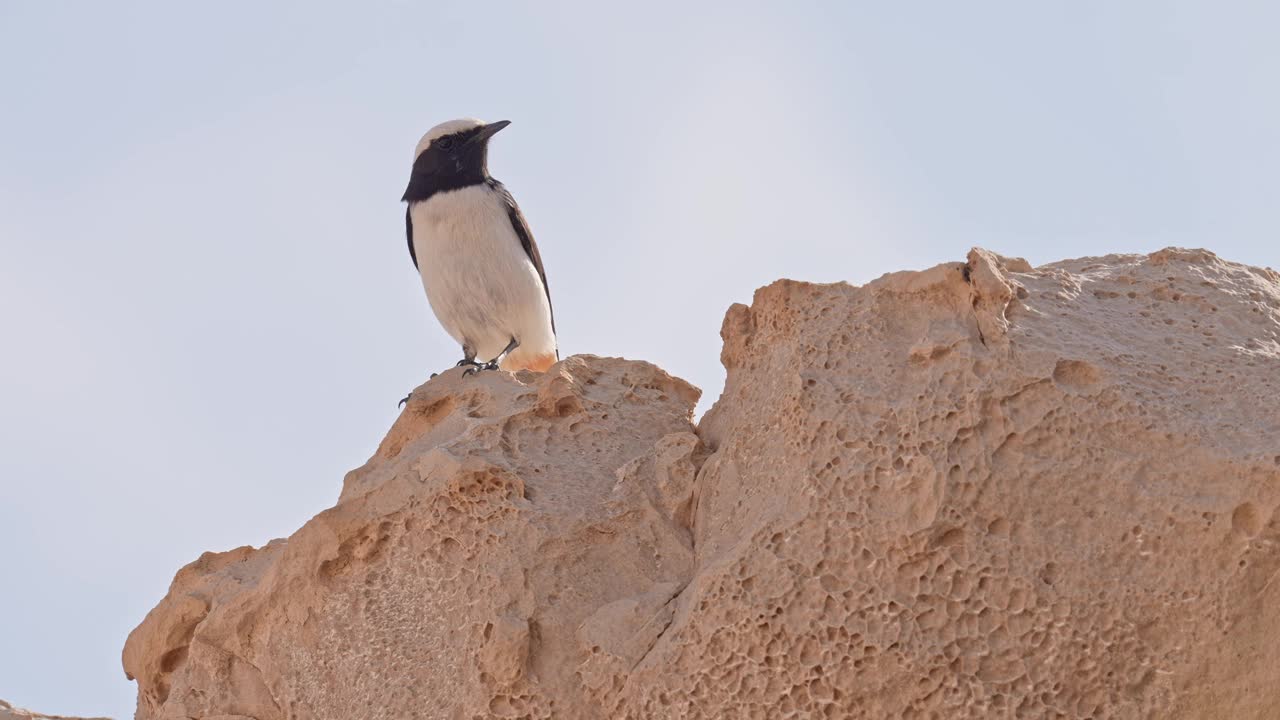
(452,577)
(981,490)
(9,712)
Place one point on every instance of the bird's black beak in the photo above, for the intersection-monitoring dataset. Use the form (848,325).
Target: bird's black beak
(489,130)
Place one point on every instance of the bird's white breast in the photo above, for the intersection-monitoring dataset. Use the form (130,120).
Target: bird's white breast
(479,280)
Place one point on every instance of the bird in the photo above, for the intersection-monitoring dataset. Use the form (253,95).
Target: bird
(472,246)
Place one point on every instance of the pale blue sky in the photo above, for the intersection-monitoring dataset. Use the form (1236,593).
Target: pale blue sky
(208,311)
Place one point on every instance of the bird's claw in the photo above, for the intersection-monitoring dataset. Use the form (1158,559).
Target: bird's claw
(470,364)
(472,367)
(477,367)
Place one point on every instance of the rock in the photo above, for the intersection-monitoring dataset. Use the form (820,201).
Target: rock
(980,490)
(9,712)
(500,513)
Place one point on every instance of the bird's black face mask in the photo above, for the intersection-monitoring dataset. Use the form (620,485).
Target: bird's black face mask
(452,162)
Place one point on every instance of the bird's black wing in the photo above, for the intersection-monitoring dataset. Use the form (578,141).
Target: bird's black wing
(408,230)
(526,240)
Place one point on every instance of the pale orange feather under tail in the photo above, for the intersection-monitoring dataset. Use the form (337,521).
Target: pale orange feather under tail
(537,363)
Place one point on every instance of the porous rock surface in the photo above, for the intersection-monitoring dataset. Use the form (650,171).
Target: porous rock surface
(978,491)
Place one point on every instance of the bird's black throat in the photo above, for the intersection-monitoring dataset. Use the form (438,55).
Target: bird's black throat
(449,163)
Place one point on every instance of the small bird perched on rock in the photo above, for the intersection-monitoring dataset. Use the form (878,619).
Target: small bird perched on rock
(479,264)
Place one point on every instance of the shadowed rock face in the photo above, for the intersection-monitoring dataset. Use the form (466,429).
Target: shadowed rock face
(981,490)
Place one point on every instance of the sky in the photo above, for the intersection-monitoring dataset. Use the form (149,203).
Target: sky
(207,308)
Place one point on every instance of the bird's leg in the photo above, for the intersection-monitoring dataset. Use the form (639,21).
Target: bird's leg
(468,360)
(494,363)
(468,357)
(503,355)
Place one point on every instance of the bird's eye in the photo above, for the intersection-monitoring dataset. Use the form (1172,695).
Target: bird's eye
(446,143)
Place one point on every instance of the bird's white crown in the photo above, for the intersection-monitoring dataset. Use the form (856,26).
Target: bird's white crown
(445,128)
